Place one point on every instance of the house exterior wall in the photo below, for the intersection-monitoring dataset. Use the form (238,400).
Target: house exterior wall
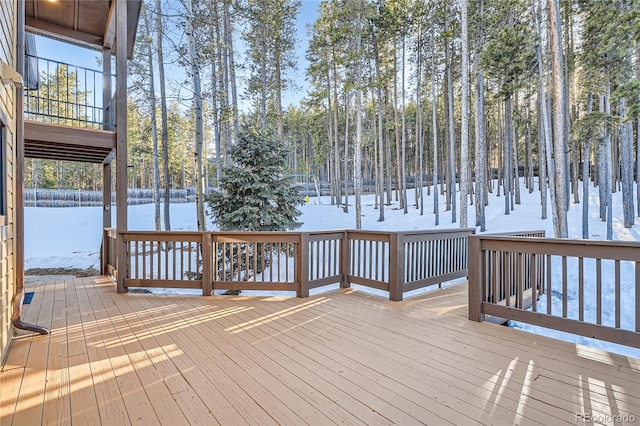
(8,25)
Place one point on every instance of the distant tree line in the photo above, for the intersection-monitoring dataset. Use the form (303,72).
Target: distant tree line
(467,92)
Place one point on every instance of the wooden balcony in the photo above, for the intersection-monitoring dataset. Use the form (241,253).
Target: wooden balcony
(58,142)
(340,357)
(69,113)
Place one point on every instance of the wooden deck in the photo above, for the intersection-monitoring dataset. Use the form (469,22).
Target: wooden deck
(339,357)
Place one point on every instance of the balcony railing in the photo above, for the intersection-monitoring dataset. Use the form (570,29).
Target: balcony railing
(589,288)
(69,95)
(396,262)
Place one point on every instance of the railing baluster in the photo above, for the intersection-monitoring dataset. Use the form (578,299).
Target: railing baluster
(534,286)
(581,289)
(174,250)
(137,254)
(598,291)
(549,289)
(564,287)
(519,279)
(617,293)
(368,258)
(166,261)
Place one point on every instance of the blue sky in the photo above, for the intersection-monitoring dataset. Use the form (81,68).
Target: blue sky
(52,49)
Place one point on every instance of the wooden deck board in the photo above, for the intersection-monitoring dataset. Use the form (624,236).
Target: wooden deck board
(338,357)
(423,381)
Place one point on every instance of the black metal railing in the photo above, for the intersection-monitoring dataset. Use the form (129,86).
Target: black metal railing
(69,95)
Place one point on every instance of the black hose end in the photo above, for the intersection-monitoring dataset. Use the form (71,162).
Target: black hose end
(30,327)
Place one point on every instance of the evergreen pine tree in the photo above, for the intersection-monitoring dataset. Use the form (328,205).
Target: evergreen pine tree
(256,195)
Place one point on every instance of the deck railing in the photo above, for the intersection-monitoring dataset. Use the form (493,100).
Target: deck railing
(396,262)
(69,95)
(576,286)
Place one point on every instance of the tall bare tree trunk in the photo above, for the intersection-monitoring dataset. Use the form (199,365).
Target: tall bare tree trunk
(609,166)
(357,167)
(464,105)
(336,141)
(228,32)
(380,131)
(559,117)
(626,161)
(215,96)
(396,127)
(199,134)
(451,172)
(434,113)
(585,176)
(419,136)
(154,127)
(481,152)
(347,113)
(163,116)
(403,171)
(508,155)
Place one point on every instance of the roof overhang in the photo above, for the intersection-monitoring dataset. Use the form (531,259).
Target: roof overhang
(87,23)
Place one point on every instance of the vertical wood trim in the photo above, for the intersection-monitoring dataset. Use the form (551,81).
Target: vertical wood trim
(345,256)
(302,265)
(121,135)
(476,273)
(207,287)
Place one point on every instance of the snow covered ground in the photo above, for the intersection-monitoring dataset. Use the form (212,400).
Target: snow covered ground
(70,237)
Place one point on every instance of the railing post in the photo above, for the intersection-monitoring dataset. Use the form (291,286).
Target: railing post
(302,265)
(476,279)
(104,249)
(396,265)
(345,260)
(207,287)
(122,269)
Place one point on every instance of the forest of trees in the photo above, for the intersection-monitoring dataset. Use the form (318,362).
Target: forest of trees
(476,96)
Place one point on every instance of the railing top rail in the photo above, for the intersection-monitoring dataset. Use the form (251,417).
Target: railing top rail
(143,233)
(324,231)
(441,231)
(255,232)
(514,233)
(613,250)
(98,71)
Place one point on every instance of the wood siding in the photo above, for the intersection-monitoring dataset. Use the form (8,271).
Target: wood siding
(7,115)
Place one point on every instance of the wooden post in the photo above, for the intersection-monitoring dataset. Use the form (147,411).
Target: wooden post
(207,286)
(396,265)
(302,265)
(345,260)
(476,274)
(106,167)
(121,138)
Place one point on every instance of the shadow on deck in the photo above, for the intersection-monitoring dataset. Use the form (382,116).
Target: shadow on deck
(339,357)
